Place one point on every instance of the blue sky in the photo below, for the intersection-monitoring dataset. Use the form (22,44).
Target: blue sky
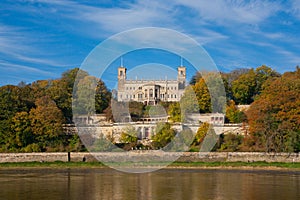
(41,39)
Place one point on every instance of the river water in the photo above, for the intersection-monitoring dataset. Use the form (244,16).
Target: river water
(189,184)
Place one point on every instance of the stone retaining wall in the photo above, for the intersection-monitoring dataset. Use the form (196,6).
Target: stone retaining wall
(150,156)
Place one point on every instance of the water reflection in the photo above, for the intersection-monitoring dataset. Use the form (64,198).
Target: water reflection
(164,184)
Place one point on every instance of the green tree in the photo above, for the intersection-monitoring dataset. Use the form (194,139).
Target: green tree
(244,88)
(189,102)
(249,84)
(136,110)
(231,142)
(129,135)
(61,91)
(85,92)
(102,97)
(264,73)
(164,135)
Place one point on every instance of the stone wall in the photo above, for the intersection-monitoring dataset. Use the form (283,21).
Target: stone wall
(148,156)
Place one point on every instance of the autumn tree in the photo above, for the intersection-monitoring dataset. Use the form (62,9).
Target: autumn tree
(205,138)
(46,121)
(175,112)
(233,114)
(21,134)
(274,117)
(201,133)
(203,96)
(10,103)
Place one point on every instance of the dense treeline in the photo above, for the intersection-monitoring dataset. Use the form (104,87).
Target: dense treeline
(274,113)
(32,115)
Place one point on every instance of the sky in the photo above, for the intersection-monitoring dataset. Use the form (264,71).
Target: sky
(41,39)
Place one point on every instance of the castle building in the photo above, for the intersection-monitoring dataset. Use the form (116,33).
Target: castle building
(150,92)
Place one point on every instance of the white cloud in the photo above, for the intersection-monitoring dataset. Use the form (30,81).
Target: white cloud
(296,8)
(22,45)
(19,69)
(231,12)
(101,22)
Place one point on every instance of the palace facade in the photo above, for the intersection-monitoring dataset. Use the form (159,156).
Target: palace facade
(150,92)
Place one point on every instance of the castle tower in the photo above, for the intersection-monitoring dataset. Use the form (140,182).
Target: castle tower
(121,73)
(121,82)
(181,77)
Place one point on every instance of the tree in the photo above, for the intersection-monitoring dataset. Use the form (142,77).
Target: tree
(164,135)
(84,98)
(231,142)
(46,121)
(10,104)
(205,138)
(210,92)
(175,112)
(136,110)
(102,97)
(203,96)
(201,133)
(195,78)
(21,131)
(189,102)
(129,137)
(263,73)
(244,88)
(249,84)
(233,114)
(274,117)
(61,91)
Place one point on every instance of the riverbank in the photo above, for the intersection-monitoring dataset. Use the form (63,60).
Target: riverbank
(174,165)
(146,156)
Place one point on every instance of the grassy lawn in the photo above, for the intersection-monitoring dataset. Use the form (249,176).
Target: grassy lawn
(59,164)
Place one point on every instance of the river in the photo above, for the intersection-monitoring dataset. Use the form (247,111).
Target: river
(189,184)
